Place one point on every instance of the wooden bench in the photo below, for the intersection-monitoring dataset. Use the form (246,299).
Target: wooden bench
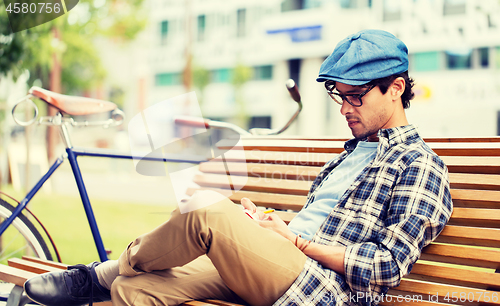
(460,268)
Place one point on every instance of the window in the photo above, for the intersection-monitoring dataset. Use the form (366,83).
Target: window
(426,61)
(348,3)
(454,7)
(458,59)
(498,123)
(221,75)
(497,57)
(294,69)
(263,72)
(484,57)
(241,22)
(164,32)
(201,27)
(168,79)
(392,10)
(308,4)
(263,122)
(292,5)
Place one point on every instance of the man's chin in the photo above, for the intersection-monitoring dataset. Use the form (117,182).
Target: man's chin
(361,135)
(358,135)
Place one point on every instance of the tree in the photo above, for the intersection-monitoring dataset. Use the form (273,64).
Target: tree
(64,47)
(33,48)
(241,75)
(201,78)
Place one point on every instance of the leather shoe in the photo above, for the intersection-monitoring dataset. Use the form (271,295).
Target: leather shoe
(78,285)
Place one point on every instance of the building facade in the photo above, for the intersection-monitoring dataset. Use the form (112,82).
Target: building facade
(243,52)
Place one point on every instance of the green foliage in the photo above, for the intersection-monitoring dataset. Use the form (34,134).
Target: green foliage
(201,77)
(81,64)
(64,218)
(241,75)
(13,46)
(34,49)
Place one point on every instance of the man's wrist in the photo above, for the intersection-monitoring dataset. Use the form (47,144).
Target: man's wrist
(301,243)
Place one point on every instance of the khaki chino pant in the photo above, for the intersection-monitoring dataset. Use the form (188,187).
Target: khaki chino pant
(212,252)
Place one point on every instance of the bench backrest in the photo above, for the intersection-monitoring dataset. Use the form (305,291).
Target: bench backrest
(459,267)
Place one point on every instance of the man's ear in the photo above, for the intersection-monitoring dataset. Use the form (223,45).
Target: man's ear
(397,88)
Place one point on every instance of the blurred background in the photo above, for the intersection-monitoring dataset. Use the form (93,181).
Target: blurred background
(236,55)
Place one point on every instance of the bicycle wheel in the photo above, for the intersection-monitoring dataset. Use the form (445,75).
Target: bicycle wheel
(21,237)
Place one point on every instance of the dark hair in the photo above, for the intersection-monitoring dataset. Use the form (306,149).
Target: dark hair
(384,83)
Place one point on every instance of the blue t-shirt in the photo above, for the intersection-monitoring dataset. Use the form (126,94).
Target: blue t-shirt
(308,220)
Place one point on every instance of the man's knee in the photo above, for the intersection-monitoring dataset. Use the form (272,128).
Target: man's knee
(202,200)
(123,291)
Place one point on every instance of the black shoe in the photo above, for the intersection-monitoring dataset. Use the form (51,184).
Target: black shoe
(76,286)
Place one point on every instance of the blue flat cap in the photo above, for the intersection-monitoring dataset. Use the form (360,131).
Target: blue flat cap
(363,57)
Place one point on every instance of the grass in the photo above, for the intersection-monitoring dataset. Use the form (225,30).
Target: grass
(119,223)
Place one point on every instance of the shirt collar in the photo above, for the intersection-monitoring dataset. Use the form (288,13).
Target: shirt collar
(392,137)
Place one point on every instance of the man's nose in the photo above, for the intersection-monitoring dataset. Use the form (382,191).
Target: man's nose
(346,108)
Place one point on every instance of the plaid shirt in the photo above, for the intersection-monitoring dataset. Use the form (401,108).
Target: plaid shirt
(397,205)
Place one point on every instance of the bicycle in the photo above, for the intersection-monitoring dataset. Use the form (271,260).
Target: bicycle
(17,223)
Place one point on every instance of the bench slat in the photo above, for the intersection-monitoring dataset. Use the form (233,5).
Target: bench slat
(285,158)
(462,255)
(271,200)
(442,149)
(472,164)
(209,303)
(289,172)
(456,164)
(46,262)
(456,276)
(296,138)
(474,181)
(253,184)
(475,198)
(395,302)
(475,217)
(306,173)
(14,275)
(460,216)
(470,236)
(31,266)
(425,288)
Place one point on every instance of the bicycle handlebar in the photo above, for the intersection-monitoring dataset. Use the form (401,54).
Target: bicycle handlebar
(293,90)
(193,122)
(197,122)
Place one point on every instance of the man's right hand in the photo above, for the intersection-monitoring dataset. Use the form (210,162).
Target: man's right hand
(251,209)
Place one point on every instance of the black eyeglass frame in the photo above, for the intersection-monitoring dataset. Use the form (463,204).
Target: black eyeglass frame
(330,87)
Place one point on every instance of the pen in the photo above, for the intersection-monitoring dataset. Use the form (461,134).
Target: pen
(265,212)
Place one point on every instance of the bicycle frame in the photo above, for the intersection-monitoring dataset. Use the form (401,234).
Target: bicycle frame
(71,155)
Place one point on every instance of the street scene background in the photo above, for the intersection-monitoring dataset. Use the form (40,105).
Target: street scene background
(236,56)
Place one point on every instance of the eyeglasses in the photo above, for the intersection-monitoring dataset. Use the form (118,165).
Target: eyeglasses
(353,99)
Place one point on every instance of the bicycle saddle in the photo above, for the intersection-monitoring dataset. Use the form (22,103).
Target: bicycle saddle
(71,105)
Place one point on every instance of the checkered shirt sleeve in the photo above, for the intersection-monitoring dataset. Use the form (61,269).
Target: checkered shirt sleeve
(395,207)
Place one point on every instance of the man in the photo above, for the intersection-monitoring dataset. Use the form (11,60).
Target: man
(368,214)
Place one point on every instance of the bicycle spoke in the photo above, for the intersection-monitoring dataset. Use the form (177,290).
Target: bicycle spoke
(14,252)
(4,248)
(21,238)
(12,241)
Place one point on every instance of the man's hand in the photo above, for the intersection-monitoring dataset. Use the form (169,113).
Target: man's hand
(270,221)
(276,224)
(250,208)
(331,257)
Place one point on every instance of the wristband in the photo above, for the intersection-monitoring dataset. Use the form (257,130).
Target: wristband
(301,245)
